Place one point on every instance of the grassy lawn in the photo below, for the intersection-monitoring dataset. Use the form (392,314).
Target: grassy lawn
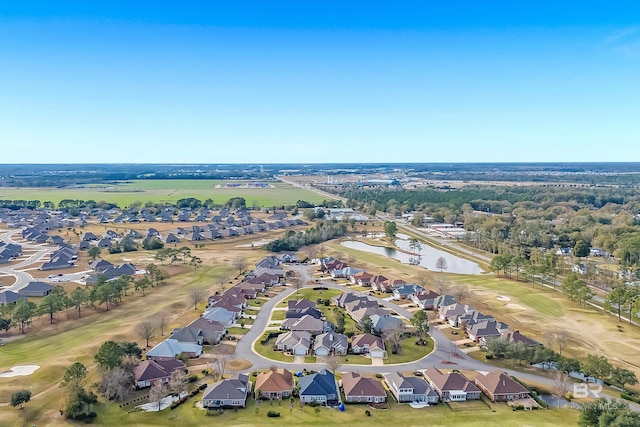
(278,314)
(410,351)
(349,323)
(309,359)
(158,191)
(247,322)
(237,331)
(252,415)
(258,302)
(251,311)
(355,359)
(313,295)
(268,351)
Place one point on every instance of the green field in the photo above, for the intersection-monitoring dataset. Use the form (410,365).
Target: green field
(166,190)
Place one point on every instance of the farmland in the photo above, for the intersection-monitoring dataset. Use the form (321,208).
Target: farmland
(164,190)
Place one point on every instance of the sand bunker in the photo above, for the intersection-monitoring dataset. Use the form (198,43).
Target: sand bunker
(515,306)
(20,371)
(503,298)
(255,243)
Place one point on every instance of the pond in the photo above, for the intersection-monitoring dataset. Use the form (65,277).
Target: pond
(428,257)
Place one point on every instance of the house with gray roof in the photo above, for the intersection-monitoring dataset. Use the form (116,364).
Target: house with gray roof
(220,315)
(171,348)
(384,323)
(330,343)
(296,342)
(453,386)
(10,297)
(36,289)
(231,393)
(410,389)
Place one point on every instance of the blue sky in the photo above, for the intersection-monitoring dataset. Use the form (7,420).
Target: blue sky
(276,81)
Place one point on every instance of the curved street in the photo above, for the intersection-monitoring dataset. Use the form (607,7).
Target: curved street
(445,354)
(22,277)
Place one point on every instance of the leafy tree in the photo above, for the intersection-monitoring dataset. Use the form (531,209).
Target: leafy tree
(601,411)
(162,255)
(495,346)
(420,321)
(74,375)
(152,244)
(622,377)
(130,349)
(53,302)
(572,285)
(581,249)
(94,252)
(597,367)
(566,364)
(20,397)
(142,284)
(78,404)
(390,229)
(366,324)
(196,263)
(23,313)
(105,292)
(109,355)
(78,298)
(616,299)
(5,324)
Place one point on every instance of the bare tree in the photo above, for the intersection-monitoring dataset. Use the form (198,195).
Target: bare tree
(145,330)
(561,339)
(441,264)
(560,384)
(298,281)
(460,292)
(222,353)
(333,362)
(441,285)
(161,322)
(240,263)
(424,280)
(116,383)
(178,382)
(196,295)
(392,335)
(157,393)
(223,278)
(311,251)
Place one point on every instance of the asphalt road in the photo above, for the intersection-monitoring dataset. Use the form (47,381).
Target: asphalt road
(22,277)
(445,355)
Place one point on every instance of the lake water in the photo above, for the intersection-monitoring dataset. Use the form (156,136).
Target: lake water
(428,256)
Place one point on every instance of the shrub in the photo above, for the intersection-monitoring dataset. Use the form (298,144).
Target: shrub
(378,376)
(489,356)
(192,378)
(631,397)
(273,414)
(367,413)
(568,396)
(314,404)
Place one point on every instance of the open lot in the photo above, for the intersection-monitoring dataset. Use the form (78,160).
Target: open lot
(158,191)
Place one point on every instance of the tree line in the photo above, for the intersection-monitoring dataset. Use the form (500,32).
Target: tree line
(321,232)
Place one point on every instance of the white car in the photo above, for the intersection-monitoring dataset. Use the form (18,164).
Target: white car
(51,276)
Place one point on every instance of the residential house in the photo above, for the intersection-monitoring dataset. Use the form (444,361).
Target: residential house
(391,284)
(320,387)
(171,238)
(296,342)
(211,332)
(485,329)
(384,323)
(450,313)
(330,343)
(100,265)
(231,393)
(359,314)
(299,313)
(410,389)
(344,273)
(275,384)
(359,389)
(425,299)
(368,344)
(406,291)
(36,289)
(220,315)
(150,372)
(10,297)
(500,387)
(300,304)
(443,301)
(515,337)
(89,236)
(171,348)
(104,243)
(377,281)
(466,321)
(305,323)
(452,387)
(361,278)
